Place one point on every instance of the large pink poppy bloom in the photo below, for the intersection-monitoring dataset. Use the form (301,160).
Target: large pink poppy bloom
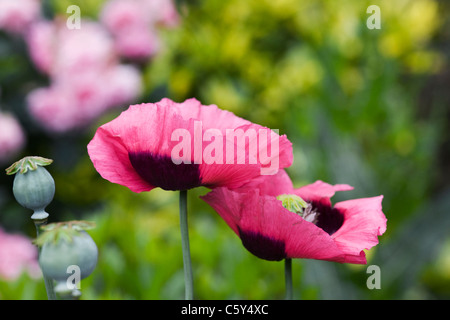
(337,233)
(179,146)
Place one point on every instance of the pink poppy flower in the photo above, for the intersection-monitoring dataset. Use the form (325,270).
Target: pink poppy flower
(179,146)
(268,230)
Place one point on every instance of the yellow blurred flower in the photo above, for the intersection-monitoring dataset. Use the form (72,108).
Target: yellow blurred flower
(407,25)
(224,91)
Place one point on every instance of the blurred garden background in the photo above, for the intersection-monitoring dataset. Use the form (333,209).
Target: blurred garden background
(365,107)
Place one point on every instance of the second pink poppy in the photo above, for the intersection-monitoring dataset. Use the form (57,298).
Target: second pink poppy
(268,230)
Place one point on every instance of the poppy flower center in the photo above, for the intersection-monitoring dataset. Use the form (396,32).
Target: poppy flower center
(322,215)
(328,219)
(161,171)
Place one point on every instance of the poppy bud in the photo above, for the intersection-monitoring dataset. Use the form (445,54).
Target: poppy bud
(34,187)
(65,247)
(56,258)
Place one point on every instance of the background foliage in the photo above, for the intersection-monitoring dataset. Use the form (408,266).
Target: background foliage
(369,108)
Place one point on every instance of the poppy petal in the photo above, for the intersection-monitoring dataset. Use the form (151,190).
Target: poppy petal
(143,135)
(320,191)
(306,240)
(210,115)
(250,217)
(274,185)
(110,158)
(364,221)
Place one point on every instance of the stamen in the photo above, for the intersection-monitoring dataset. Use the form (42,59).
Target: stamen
(293,203)
(310,214)
(299,206)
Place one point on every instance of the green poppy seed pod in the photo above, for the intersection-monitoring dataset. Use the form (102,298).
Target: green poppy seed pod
(34,190)
(34,187)
(58,258)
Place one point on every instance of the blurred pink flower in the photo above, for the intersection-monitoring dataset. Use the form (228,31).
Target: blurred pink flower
(53,108)
(124,84)
(71,103)
(17,15)
(17,254)
(85,75)
(137,44)
(123,15)
(40,40)
(59,51)
(163,12)
(12,137)
(84,49)
(133,24)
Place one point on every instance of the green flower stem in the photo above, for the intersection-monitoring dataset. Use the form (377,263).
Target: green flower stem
(49,285)
(188,279)
(288,278)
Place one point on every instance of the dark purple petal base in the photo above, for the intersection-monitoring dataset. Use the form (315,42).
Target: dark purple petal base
(329,219)
(262,246)
(160,171)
